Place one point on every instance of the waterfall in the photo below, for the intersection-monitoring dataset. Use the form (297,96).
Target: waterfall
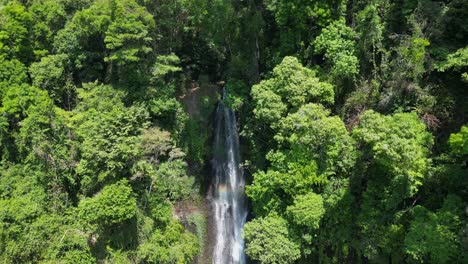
(230,210)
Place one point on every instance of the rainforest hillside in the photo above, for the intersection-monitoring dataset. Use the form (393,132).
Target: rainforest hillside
(353,124)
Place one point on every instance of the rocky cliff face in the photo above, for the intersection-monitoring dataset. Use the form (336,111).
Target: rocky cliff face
(199,99)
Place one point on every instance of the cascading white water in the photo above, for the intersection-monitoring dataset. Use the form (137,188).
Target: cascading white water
(230,210)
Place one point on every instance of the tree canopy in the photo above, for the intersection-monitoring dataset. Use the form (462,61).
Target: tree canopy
(352,117)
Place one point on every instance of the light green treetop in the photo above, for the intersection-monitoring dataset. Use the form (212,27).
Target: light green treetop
(307,210)
(458,61)
(336,42)
(114,204)
(431,237)
(459,141)
(399,145)
(290,86)
(268,241)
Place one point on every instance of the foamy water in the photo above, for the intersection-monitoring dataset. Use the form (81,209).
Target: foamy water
(230,210)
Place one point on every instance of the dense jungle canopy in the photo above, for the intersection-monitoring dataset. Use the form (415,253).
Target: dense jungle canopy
(353,122)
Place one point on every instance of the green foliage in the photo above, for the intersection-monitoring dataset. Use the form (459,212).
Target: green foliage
(173,245)
(457,61)
(307,210)
(236,94)
(48,18)
(196,141)
(266,191)
(370,29)
(295,20)
(399,146)
(172,181)
(290,86)
(200,222)
(163,105)
(71,6)
(459,142)
(312,147)
(336,42)
(108,132)
(113,205)
(83,41)
(70,245)
(170,114)
(431,236)
(50,74)
(156,144)
(394,163)
(30,112)
(127,37)
(413,52)
(29,232)
(311,134)
(22,199)
(289,13)
(100,139)
(14,32)
(165,65)
(109,35)
(269,241)
(11,72)
(336,225)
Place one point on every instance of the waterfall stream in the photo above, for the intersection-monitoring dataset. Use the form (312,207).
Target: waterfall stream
(230,210)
